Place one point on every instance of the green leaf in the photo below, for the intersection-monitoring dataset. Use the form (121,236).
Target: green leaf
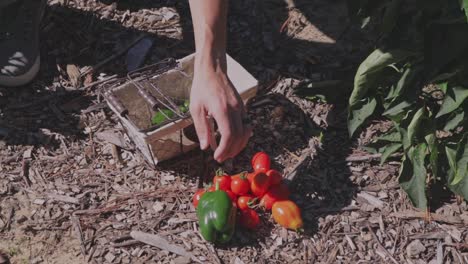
(360,113)
(455,121)
(161,116)
(453,99)
(365,21)
(413,127)
(406,80)
(367,73)
(443,86)
(458,161)
(398,108)
(389,150)
(434,156)
(412,176)
(390,137)
(464,6)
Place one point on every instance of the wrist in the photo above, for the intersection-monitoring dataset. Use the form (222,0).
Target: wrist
(210,54)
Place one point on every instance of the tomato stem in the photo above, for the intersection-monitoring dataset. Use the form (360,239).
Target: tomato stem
(219,172)
(243,175)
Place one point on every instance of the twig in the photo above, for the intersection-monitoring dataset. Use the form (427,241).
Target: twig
(25,172)
(124,241)
(63,198)
(159,242)
(113,57)
(8,220)
(332,256)
(98,82)
(76,223)
(380,244)
(290,176)
(455,220)
(285,24)
(215,254)
(369,157)
(11,158)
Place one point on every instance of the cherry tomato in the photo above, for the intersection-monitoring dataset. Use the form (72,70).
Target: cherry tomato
(244,202)
(223,179)
(232,195)
(197,196)
(249,218)
(261,162)
(240,185)
(275,193)
(287,214)
(275,177)
(250,176)
(260,184)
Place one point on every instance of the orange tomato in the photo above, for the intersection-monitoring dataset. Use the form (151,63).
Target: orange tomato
(287,214)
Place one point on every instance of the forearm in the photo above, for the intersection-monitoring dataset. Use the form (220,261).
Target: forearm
(209,24)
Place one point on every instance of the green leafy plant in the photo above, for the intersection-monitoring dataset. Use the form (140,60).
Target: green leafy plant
(417,77)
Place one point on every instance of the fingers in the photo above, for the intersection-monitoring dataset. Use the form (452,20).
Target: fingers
(228,133)
(234,134)
(201,125)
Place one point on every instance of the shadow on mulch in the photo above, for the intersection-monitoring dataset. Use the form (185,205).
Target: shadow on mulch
(70,36)
(35,113)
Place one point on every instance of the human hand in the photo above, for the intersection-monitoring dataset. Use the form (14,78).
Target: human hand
(213,94)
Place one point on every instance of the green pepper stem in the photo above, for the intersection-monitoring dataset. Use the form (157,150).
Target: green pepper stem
(217,186)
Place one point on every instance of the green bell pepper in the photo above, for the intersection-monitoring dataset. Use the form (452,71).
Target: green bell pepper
(216,216)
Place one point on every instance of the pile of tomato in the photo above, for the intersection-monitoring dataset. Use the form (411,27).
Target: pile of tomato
(261,189)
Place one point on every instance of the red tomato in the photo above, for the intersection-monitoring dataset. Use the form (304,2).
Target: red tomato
(250,177)
(275,177)
(260,184)
(261,162)
(249,218)
(275,193)
(223,179)
(232,195)
(212,188)
(197,196)
(243,202)
(239,184)
(287,214)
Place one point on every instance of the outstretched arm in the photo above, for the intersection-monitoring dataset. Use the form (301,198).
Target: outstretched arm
(212,92)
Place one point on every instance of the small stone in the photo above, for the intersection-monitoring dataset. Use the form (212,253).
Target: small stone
(120,217)
(39,201)
(415,248)
(158,207)
(109,257)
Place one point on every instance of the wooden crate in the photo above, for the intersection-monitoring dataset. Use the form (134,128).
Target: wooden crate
(172,139)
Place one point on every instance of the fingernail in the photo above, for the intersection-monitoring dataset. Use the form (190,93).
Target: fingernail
(203,144)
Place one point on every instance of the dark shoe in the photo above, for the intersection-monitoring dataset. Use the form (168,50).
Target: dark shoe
(19,40)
